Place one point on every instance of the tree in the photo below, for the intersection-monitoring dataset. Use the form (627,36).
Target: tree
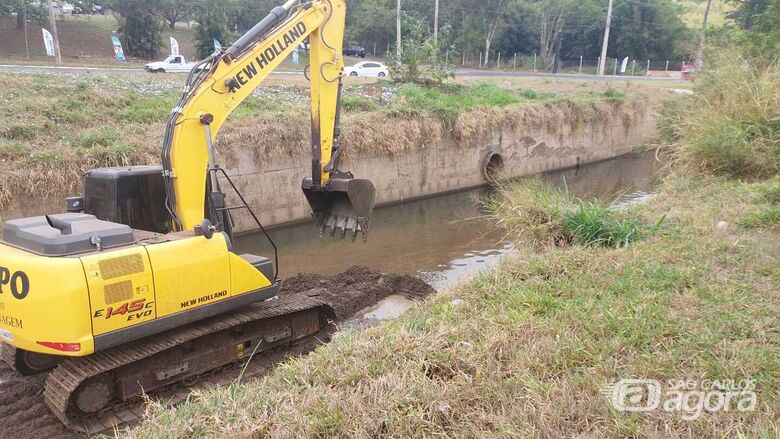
(746,12)
(703,35)
(650,30)
(139,26)
(491,13)
(531,28)
(421,56)
(371,21)
(174,11)
(24,10)
(759,35)
(212,25)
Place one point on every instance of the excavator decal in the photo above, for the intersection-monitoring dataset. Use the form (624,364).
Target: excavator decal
(18,282)
(129,308)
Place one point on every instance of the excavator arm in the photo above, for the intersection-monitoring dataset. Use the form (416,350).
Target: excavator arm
(220,83)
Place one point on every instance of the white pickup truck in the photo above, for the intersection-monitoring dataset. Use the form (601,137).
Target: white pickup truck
(172,64)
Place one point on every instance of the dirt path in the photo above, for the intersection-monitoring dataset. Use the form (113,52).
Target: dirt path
(24,414)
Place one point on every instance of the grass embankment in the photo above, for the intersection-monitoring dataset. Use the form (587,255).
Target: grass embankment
(54,127)
(526,349)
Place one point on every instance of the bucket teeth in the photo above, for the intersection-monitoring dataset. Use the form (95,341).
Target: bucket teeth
(343,227)
(343,208)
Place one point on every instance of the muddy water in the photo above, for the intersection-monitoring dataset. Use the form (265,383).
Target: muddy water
(446,238)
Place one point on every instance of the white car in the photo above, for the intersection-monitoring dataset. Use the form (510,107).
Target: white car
(370,69)
(172,64)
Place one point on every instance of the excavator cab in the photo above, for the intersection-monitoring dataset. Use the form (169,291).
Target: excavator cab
(343,207)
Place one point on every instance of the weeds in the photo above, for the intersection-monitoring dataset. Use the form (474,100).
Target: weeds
(593,224)
(19,132)
(534,212)
(765,218)
(615,95)
(447,102)
(103,137)
(732,127)
(12,150)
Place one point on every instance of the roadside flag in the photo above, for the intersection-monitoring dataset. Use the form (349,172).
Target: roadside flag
(624,65)
(217,45)
(296,57)
(174,46)
(119,53)
(48,41)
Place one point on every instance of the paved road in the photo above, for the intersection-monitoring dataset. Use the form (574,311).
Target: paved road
(460,73)
(105,70)
(494,73)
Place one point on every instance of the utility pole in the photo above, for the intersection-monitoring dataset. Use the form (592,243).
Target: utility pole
(557,56)
(53,24)
(397,28)
(603,59)
(436,20)
(26,40)
(703,36)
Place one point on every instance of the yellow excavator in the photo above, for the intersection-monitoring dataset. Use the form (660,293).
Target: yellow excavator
(136,288)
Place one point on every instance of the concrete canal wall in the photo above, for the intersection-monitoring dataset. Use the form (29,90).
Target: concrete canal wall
(504,143)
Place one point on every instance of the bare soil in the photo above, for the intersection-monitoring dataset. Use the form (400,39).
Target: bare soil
(21,398)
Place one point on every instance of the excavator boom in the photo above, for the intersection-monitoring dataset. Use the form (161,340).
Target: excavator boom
(337,200)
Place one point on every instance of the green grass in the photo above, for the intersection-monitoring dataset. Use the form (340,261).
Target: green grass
(12,150)
(447,102)
(592,223)
(615,95)
(101,138)
(541,215)
(766,217)
(19,132)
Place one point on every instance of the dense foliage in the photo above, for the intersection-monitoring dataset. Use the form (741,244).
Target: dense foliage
(139,26)
(641,29)
(211,26)
(31,9)
(421,56)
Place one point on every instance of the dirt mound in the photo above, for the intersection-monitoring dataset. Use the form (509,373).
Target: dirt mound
(24,413)
(355,289)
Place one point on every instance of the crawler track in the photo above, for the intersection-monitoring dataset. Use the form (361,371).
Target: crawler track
(64,381)
(26,413)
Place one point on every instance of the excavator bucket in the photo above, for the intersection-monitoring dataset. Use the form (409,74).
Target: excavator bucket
(343,207)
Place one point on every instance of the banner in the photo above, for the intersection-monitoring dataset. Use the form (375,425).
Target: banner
(624,65)
(296,57)
(48,41)
(174,47)
(119,53)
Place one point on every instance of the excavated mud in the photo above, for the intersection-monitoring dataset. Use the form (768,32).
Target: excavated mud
(24,413)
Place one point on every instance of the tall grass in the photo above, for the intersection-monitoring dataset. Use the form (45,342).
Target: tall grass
(536,213)
(733,126)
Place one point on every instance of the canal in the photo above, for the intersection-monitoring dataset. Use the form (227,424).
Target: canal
(446,238)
